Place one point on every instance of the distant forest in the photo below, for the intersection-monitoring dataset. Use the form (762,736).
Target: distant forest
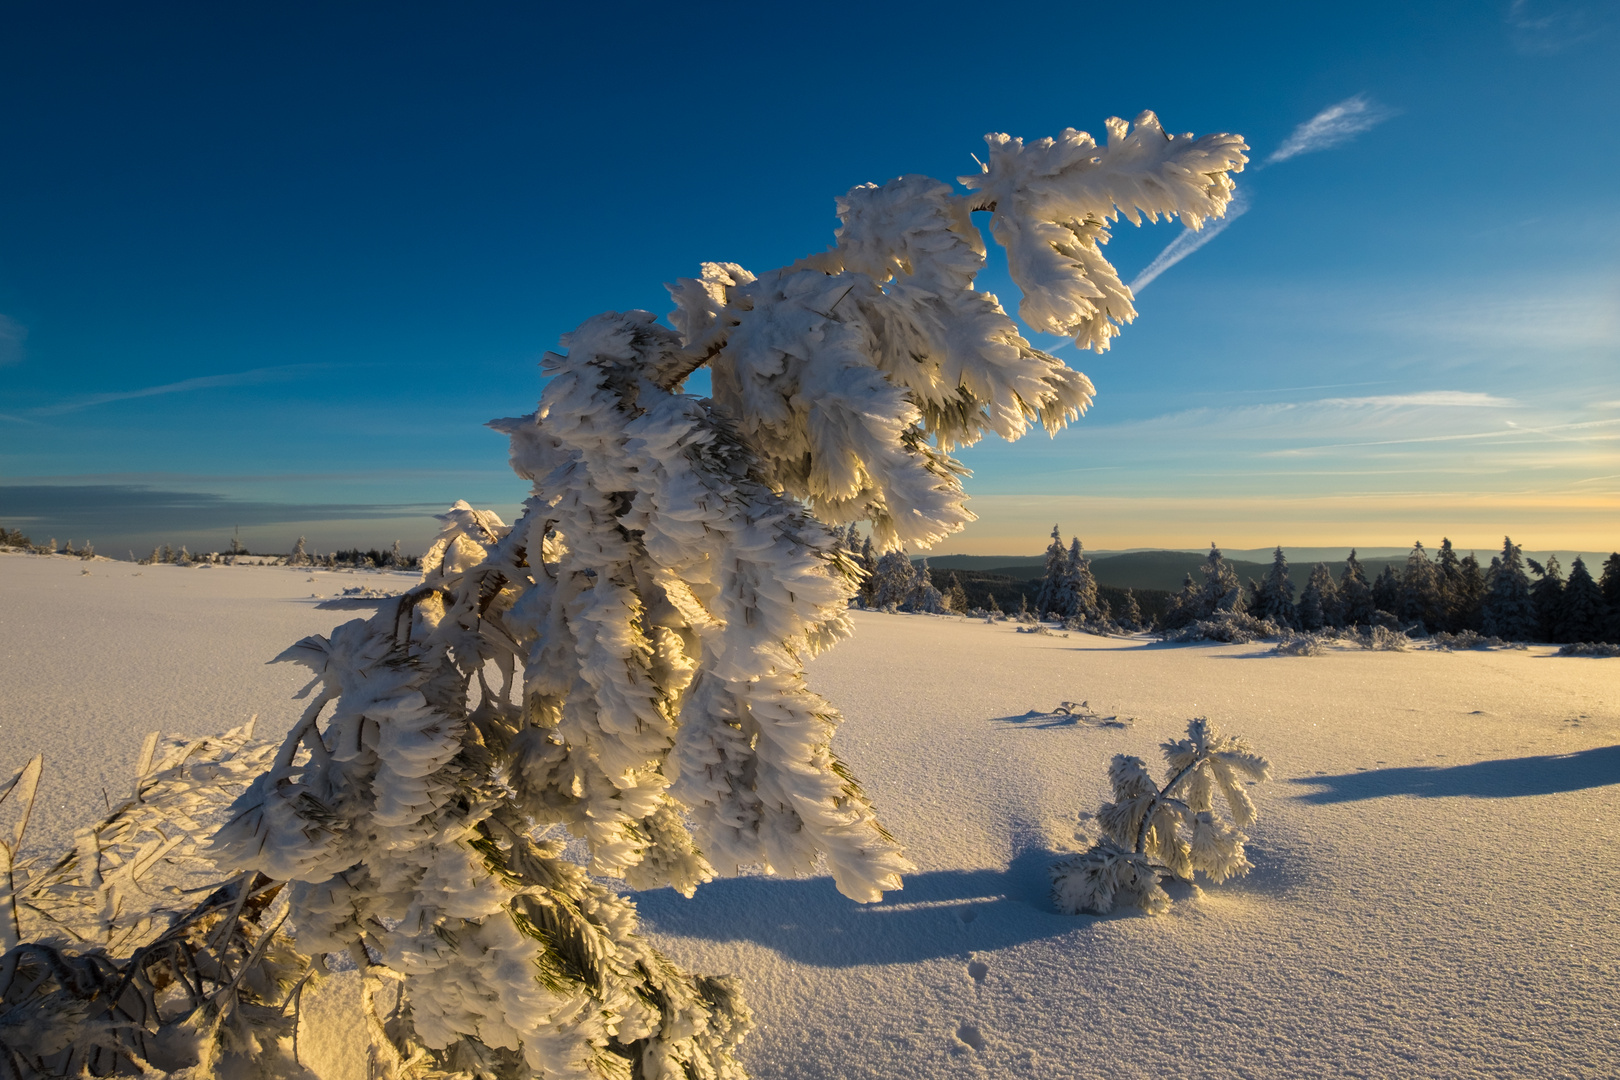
(1514,598)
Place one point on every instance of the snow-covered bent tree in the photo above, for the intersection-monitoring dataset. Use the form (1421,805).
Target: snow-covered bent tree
(625,662)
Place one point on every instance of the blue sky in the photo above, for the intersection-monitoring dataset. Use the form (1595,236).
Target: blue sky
(275,266)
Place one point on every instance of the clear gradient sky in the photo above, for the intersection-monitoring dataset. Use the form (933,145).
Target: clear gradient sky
(274,265)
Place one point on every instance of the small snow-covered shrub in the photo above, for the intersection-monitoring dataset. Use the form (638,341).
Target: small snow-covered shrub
(1100,626)
(1589,648)
(1232,627)
(1152,831)
(1311,643)
(1468,639)
(1380,639)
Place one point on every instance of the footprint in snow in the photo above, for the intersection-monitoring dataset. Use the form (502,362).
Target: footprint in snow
(968,1034)
(977,970)
(967,915)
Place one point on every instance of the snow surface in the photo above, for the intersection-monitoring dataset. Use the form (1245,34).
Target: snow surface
(1435,891)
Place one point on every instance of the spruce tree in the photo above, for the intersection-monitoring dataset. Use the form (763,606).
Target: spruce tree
(1547,595)
(645,623)
(1386,592)
(1354,593)
(299,556)
(924,596)
(1509,612)
(868,564)
(893,581)
(956,596)
(1130,615)
(1050,594)
(1183,607)
(1468,603)
(1420,591)
(1583,615)
(1274,596)
(1221,590)
(1319,605)
(1610,585)
(1448,579)
(1079,592)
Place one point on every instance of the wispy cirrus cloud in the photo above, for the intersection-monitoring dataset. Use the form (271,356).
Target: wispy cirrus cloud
(1545,27)
(1333,126)
(202,382)
(1457,399)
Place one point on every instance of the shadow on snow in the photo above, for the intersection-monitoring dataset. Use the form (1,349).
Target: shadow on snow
(1507,778)
(940,913)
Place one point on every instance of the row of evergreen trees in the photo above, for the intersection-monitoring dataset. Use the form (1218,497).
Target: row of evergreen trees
(1068,591)
(16,538)
(892,582)
(1444,594)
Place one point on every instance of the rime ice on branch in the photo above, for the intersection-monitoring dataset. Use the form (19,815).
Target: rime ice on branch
(646,622)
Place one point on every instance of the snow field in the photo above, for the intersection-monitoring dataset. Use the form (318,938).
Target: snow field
(1434,892)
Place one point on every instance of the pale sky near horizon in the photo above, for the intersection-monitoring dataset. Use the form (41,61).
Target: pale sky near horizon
(274,267)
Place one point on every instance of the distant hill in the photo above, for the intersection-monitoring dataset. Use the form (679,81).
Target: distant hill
(1163,570)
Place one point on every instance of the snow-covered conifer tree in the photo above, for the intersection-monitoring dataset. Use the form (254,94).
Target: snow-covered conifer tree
(1221,590)
(1448,573)
(1386,592)
(868,564)
(299,556)
(1583,615)
(1183,607)
(1319,605)
(1469,600)
(1079,589)
(1130,613)
(1609,584)
(924,597)
(1547,595)
(1421,600)
(1509,611)
(1274,599)
(1354,592)
(1050,598)
(894,580)
(956,596)
(625,662)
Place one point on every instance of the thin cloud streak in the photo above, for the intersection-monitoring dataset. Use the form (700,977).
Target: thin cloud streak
(1461,399)
(1188,242)
(1333,126)
(203,382)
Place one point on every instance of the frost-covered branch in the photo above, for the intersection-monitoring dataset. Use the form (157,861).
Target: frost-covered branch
(853,374)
